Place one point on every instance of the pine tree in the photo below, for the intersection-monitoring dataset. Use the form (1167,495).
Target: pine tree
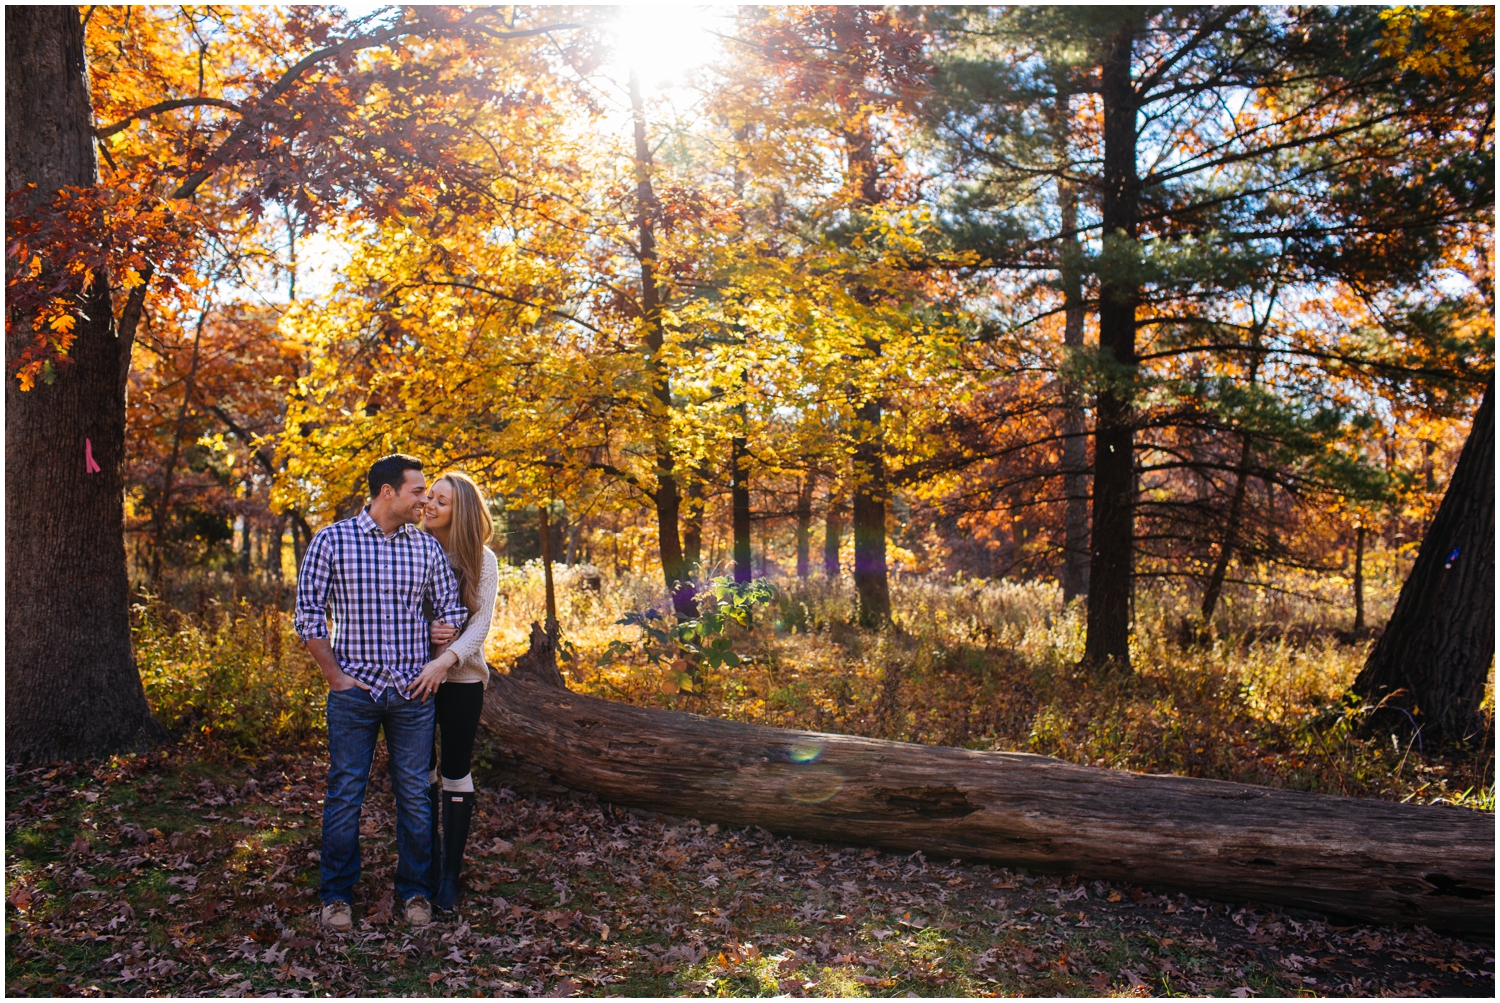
(1185,212)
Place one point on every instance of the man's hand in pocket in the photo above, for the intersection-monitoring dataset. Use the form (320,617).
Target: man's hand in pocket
(322,653)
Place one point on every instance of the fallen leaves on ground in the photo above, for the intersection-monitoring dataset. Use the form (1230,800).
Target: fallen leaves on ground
(185,876)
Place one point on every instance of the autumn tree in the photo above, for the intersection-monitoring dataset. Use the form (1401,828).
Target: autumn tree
(841,71)
(329,131)
(207,393)
(71,682)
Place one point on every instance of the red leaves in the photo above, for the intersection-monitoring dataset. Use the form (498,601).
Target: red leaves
(330,134)
(381,914)
(58,250)
(20,896)
(561,920)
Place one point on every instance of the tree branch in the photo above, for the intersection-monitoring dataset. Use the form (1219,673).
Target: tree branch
(105,131)
(502,296)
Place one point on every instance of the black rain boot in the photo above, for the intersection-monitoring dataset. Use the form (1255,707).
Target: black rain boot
(458,808)
(435,849)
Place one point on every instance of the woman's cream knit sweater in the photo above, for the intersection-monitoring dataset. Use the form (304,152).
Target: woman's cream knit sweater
(469,645)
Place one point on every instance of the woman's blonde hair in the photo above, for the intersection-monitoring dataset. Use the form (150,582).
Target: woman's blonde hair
(471,530)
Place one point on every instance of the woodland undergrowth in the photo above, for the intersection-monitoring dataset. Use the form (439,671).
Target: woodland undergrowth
(993,665)
(192,870)
(972,663)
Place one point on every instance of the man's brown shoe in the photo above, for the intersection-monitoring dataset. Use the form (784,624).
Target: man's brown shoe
(418,910)
(337,916)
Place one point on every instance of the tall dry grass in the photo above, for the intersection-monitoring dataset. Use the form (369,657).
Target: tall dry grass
(972,663)
(993,665)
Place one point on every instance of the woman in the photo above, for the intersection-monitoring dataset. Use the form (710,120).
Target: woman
(458,518)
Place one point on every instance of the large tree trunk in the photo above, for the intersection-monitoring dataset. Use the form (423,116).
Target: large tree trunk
(1075,462)
(1371,860)
(1440,641)
(870,488)
(1111,571)
(71,686)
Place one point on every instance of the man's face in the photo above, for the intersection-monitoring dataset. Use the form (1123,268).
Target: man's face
(407,503)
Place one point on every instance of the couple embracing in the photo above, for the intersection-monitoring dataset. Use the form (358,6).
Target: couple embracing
(410,609)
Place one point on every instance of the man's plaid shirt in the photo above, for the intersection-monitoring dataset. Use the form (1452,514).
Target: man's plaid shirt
(373,586)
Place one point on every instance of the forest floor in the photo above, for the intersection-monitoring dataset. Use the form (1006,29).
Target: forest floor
(190,873)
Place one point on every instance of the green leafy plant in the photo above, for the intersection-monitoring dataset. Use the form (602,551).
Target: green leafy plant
(682,647)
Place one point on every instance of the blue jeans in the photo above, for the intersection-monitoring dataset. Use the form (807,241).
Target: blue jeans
(354,721)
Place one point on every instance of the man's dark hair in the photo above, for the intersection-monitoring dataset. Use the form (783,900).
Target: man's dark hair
(391,470)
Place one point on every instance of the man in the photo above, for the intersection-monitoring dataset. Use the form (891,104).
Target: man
(376,571)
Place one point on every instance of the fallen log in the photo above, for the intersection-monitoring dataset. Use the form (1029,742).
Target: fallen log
(1373,861)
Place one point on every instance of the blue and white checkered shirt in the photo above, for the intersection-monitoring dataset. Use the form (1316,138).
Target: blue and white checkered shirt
(373,586)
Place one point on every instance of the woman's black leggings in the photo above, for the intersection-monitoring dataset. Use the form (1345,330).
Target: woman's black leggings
(458,706)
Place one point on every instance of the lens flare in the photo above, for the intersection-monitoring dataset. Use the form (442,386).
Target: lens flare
(804,752)
(815,785)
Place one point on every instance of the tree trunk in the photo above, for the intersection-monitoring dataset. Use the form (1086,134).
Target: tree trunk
(164,496)
(301,536)
(570,555)
(278,530)
(833,531)
(1231,535)
(739,492)
(667,496)
(669,545)
(1359,578)
(246,548)
(1111,570)
(870,581)
(245,556)
(550,591)
(1075,576)
(692,527)
(870,489)
(804,524)
(1375,861)
(1241,483)
(1440,641)
(71,685)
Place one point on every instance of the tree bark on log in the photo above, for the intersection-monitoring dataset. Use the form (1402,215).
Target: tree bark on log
(1375,861)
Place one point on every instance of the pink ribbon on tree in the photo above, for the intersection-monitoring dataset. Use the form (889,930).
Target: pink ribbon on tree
(89,466)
